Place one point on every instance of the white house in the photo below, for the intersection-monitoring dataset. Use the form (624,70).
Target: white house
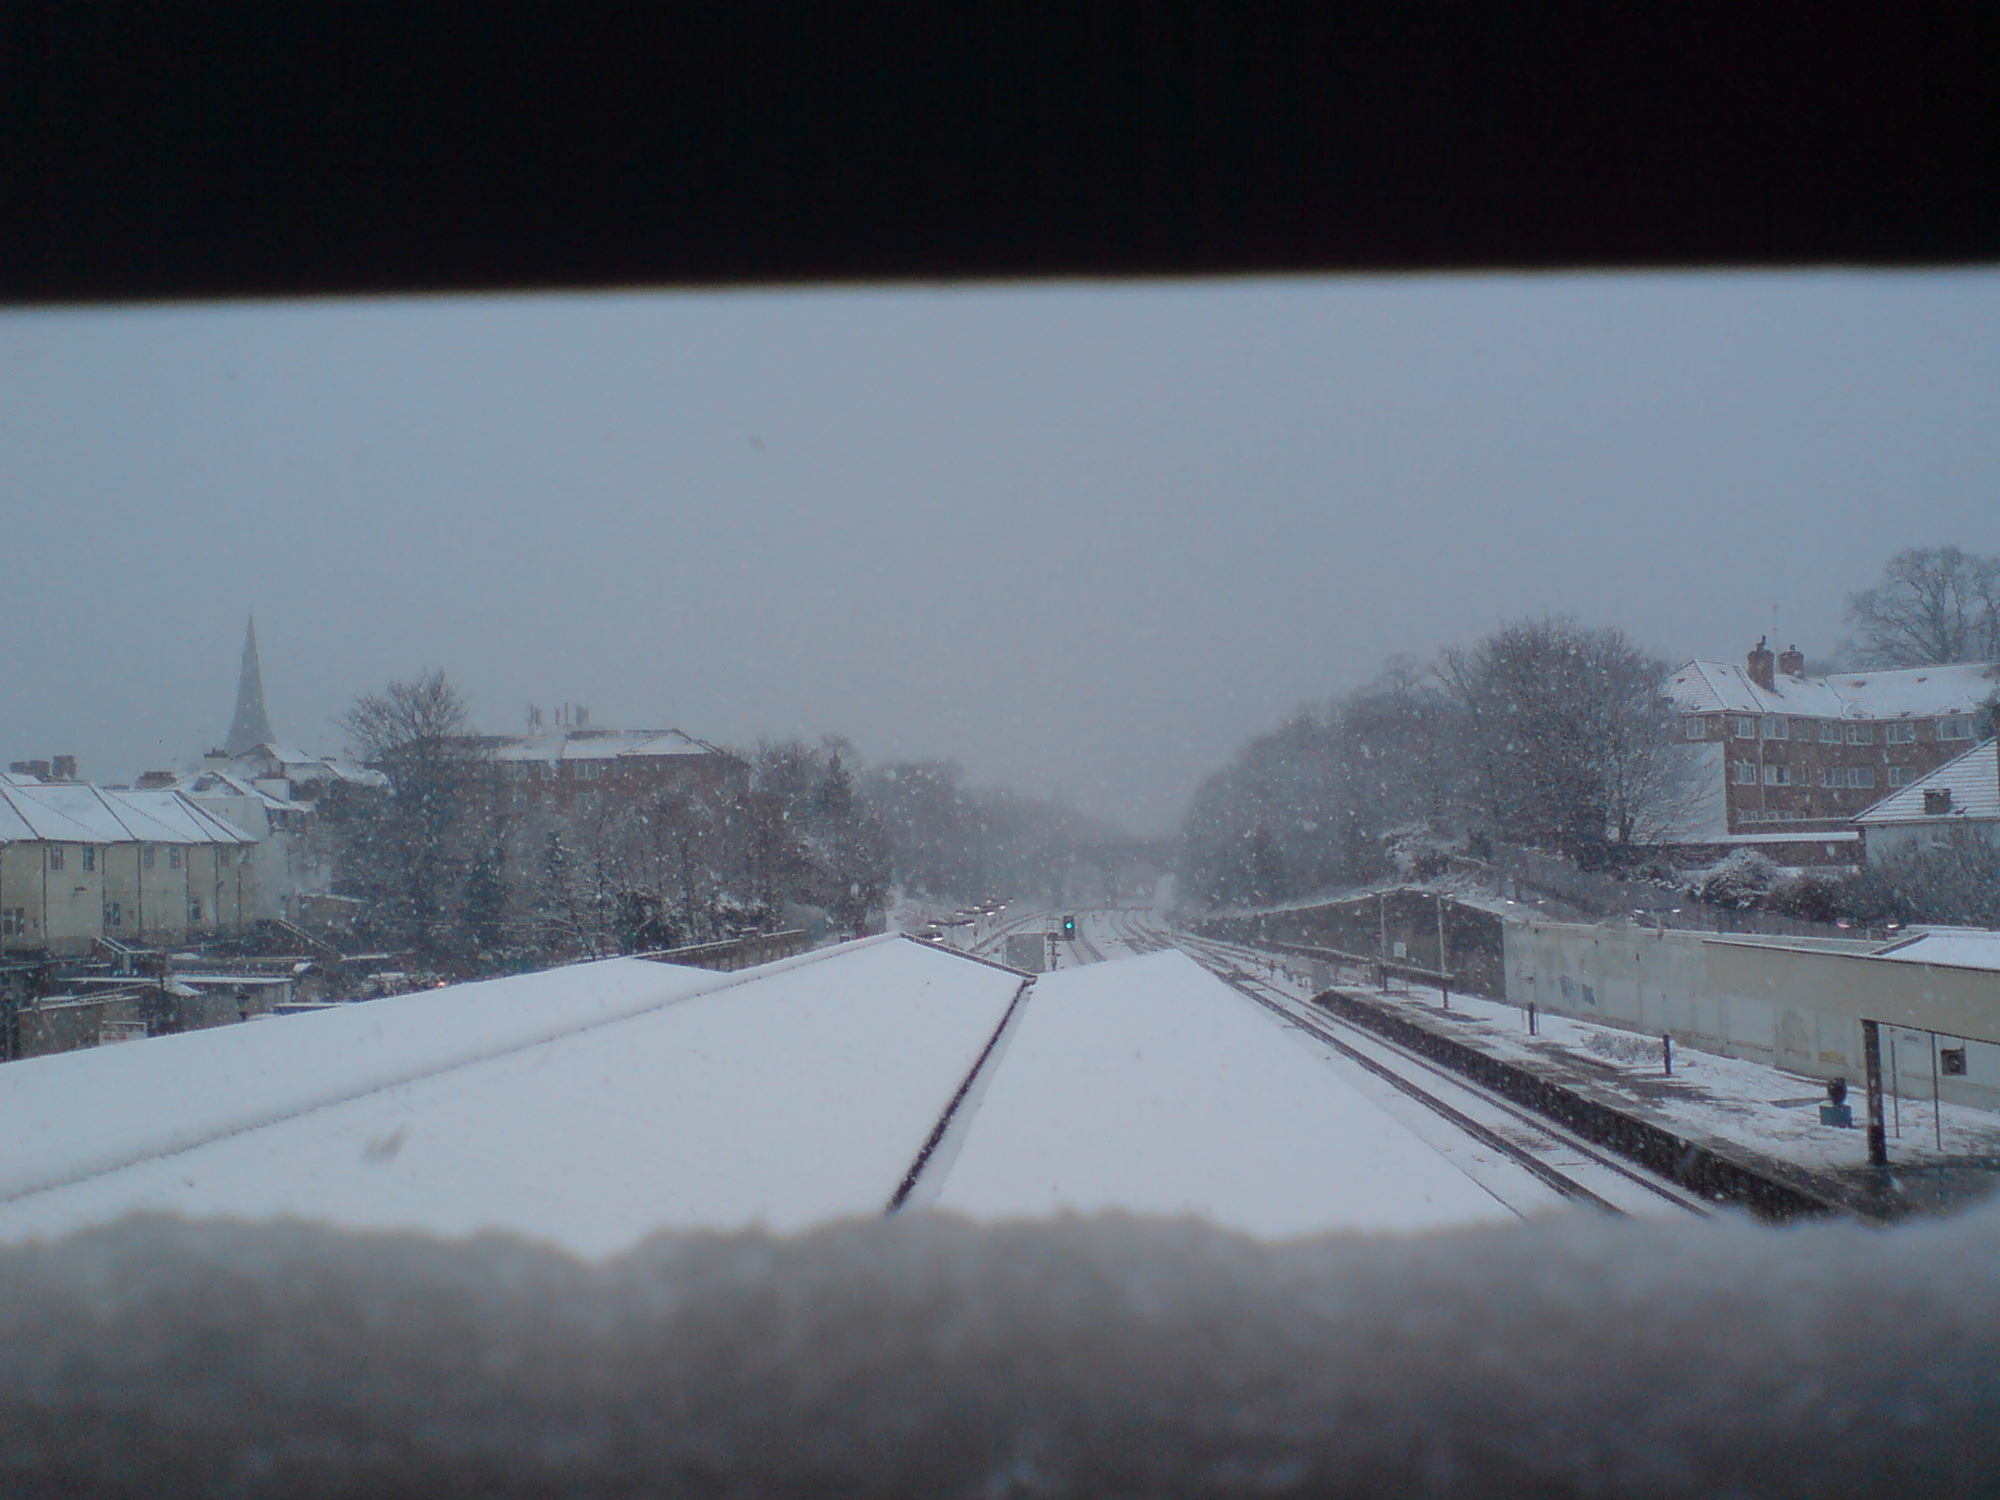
(1961,795)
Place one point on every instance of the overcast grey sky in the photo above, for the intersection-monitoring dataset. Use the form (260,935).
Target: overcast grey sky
(1078,536)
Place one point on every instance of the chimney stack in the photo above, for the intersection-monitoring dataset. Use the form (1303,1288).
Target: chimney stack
(1763,665)
(63,768)
(1792,662)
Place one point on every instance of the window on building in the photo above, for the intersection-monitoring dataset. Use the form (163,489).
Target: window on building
(1937,801)
(1830,776)
(589,770)
(1860,734)
(1902,732)
(89,857)
(1958,727)
(146,859)
(1776,728)
(13,921)
(1746,773)
(1696,730)
(194,911)
(1861,778)
(55,856)
(173,859)
(1899,776)
(1746,727)
(1829,731)
(1777,776)
(114,914)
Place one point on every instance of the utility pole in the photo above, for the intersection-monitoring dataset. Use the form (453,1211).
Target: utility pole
(1444,958)
(1871,1055)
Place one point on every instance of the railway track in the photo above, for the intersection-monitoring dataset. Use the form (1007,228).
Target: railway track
(1565,1164)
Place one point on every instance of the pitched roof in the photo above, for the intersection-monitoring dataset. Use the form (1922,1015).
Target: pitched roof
(1973,781)
(78,813)
(1909,692)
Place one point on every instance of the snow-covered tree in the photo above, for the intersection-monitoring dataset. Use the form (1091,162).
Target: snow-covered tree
(413,852)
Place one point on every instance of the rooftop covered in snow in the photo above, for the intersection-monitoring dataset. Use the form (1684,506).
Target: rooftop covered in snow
(596,744)
(1972,780)
(1913,692)
(589,1106)
(79,813)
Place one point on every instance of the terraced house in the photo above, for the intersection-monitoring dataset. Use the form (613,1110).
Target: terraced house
(79,863)
(1789,761)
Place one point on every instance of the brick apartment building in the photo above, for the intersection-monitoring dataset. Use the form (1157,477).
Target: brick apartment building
(572,767)
(1789,761)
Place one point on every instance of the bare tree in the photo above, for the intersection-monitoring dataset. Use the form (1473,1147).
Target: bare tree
(1570,738)
(1934,606)
(412,853)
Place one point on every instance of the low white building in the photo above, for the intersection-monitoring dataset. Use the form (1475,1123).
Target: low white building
(1962,796)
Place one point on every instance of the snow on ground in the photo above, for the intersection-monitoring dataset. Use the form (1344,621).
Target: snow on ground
(1709,1097)
(1149,1085)
(781,1096)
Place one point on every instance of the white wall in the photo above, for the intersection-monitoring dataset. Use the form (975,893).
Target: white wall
(1794,1003)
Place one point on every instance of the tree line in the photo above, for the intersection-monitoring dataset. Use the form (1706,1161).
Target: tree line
(1546,733)
(451,863)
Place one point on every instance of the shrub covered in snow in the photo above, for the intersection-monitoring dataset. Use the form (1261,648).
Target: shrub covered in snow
(1810,896)
(1740,880)
(1418,852)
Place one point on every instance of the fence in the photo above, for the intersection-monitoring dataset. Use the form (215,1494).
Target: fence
(735,953)
(1790,1005)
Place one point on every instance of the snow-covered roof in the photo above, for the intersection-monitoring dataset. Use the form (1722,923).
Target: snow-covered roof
(1149,1085)
(219,784)
(1973,779)
(593,1104)
(1911,692)
(598,744)
(302,765)
(586,1105)
(1955,947)
(78,813)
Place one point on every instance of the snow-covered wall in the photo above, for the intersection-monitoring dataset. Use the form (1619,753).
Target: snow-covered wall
(1572,1356)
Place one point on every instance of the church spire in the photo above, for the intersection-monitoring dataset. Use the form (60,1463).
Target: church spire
(252,726)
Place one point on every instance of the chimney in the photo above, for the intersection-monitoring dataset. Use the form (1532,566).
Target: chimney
(1792,662)
(39,769)
(64,767)
(1762,665)
(153,781)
